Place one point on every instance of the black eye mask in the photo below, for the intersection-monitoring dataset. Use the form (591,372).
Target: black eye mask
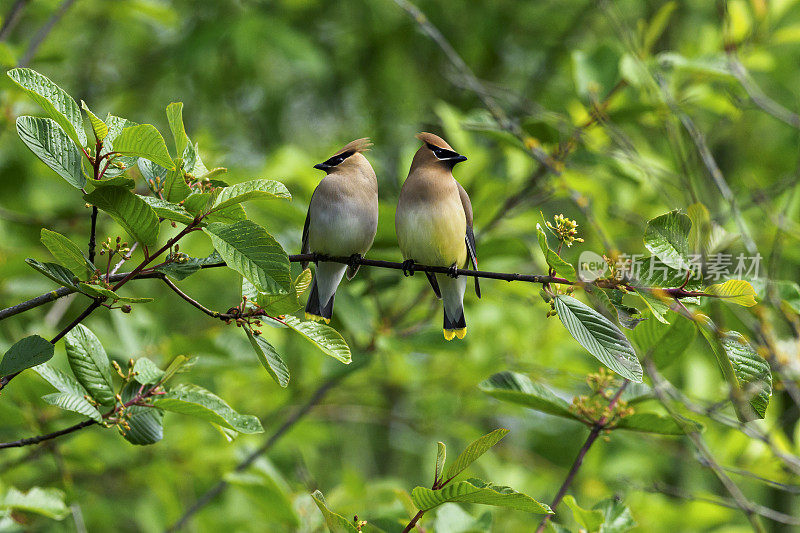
(443,154)
(334,161)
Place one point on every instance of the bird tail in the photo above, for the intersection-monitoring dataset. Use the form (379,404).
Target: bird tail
(453,290)
(323,290)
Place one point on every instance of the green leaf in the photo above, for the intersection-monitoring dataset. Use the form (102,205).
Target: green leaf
(654,423)
(129,211)
(175,119)
(146,423)
(477,491)
(197,203)
(67,253)
(196,401)
(617,517)
(60,380)
(99,128)
(182,270)
(561,267)
(590,520)
(284,304)
(147,373)
(599,336)
(72,402)
(323,337)
(475,449)
(50,144)
(336,523)
(151,171)
(229,215)
(667,237)
(657,302)
(90,364)
(441,455)
(176,365)
(261,188)
(255,254)
(117,181)
(54,100)
(735,291)
(269,358)
(657,25)
(652,272)
(665,342)
(752,371)
(519,389)
(25,353)
(47,502)
(144,141)
(175,186)
(168,210)
(61,275)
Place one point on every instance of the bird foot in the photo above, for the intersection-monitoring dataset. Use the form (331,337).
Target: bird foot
(453,271)
(408,267)
(354,261)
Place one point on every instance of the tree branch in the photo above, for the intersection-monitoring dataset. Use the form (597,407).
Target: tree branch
(595,432)
(41,438)
(43,32)
(12,18)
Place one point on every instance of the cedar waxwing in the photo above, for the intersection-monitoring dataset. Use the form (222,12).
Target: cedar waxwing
(342,221)
(434,226)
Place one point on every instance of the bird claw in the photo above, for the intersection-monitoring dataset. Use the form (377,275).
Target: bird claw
(408,267)
(453,271)
(354,261)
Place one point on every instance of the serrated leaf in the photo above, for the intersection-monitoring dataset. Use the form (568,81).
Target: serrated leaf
(519,389)
(197,203)
(335,523)
(74,403)
(117,181)
(617,516)
(146,423)
(654,423)
(147,373)
(664,342)
(667,237)
(175,187)
(441,455)
(151,171)
(129,210)
(323,337)
(255,254)
(90,364)
(561,267)
(25,353)
(175,119)
(67,252)
(735,291)
(284,304)
(599,336)
(269,358)
(145,141)
(196,401)
(475,449)
(47,502)
(248,190)
(49,143)
(752,371)
(590,520)
(168,210)
(477,491)
(61,275)
(54,100)
(182,270)
(99,128)
(60,380)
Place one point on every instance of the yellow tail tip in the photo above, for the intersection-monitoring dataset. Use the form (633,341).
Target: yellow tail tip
(449,334)
(317,318)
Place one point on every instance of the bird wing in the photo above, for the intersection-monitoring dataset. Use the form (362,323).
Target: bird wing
(305,248)
(469,238)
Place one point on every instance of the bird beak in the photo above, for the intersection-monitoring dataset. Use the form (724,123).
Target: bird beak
(322,166)
(459,159)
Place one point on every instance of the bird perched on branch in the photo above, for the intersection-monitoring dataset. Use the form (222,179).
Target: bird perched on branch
(342,221)
(434,226)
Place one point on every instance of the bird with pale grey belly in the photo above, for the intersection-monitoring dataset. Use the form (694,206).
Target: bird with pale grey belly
(342,221)
(434,226)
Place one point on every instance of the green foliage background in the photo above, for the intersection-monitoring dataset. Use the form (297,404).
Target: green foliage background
(271,88)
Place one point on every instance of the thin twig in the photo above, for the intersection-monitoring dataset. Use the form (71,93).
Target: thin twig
(758,96)
(12,18)
(49,436)
(220,486)
(43,32)
(92,234)
(595,432)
